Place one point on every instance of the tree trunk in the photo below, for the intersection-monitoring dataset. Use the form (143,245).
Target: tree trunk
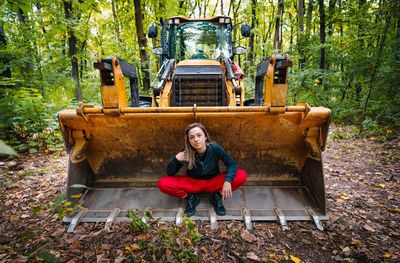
(114,9)
(215,9)
(301,15)
(278,34)
(398,39)
(3,44)
(26,31)
(309,16)
(72,51)
(251,40)
(376,65)
(142,41)
(235,17)
(300,37)
(322,34)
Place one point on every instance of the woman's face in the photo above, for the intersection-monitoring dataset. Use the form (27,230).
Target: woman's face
(197,139)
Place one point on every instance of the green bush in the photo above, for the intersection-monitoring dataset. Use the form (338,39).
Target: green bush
(23,113)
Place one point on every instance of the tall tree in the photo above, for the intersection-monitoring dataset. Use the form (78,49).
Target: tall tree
(300,36)
(309,16)
(278,25)
(6,71)
(251,40)
(72,47)
(142,41)
(322,34)
(114,8)
(381,40)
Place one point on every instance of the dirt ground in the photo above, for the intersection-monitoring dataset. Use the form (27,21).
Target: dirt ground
(363,200)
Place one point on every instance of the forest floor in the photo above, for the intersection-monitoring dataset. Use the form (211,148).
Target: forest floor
(363,202)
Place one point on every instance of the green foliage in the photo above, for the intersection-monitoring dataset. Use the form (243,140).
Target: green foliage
(177,243)
(47,257)
(62,206)
(23,112)
(136,223)
(180,241)
(6,150)
(359,82)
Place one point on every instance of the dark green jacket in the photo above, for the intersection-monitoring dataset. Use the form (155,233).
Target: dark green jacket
(206,164)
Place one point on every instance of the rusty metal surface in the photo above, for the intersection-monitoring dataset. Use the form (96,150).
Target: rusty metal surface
(259,202)
(140,145)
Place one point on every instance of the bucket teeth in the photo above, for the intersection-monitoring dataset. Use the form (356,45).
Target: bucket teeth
(111,217)
(315,218)
(247,218)
(213,218)
(179,217)
(76,219)
(281,218)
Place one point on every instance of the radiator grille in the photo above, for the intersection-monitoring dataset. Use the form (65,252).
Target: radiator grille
(202,90)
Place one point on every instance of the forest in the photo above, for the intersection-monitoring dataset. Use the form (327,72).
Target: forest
(346,55)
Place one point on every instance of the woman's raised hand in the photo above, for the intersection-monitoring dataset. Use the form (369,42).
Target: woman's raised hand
(181,156)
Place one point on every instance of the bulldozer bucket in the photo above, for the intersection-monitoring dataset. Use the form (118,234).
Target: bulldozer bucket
(121,157)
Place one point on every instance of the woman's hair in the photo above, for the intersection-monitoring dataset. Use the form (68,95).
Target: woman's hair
(189,150)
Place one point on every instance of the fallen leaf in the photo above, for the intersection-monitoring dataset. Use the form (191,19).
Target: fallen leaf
(381,186)
(386,255)
(224,234)
(344,196)
(394,210)
(356,242)
(369,228)
(346,251)
(251,255)
(295,259)
(133,247)
(247,236)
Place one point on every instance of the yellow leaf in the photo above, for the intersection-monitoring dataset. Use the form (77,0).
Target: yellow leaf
(68,209)
(381,186)
(344,196)
(356,242)
(135,247)
(386,255)
(76,196)
(295,259)
(67,203)
(128,248)
(273,256)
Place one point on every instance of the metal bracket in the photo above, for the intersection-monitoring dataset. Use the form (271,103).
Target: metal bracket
(315,217)
(213,218)
(282,218)
(111,217)
(75,221)
(247,218)
(81,142)
(179,217)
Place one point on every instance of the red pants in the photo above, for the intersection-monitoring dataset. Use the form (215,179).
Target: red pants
(180,186)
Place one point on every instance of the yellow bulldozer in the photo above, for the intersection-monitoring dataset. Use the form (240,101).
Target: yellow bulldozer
(119,150)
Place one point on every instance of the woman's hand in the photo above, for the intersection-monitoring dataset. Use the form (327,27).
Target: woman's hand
(226,191)
(181,156)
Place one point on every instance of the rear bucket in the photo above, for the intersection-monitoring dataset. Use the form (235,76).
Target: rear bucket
(121,159)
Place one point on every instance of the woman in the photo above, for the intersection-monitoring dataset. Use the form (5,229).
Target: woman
(201,156)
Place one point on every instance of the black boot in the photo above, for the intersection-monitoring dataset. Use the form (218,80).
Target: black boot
(216,201)
(191,202)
